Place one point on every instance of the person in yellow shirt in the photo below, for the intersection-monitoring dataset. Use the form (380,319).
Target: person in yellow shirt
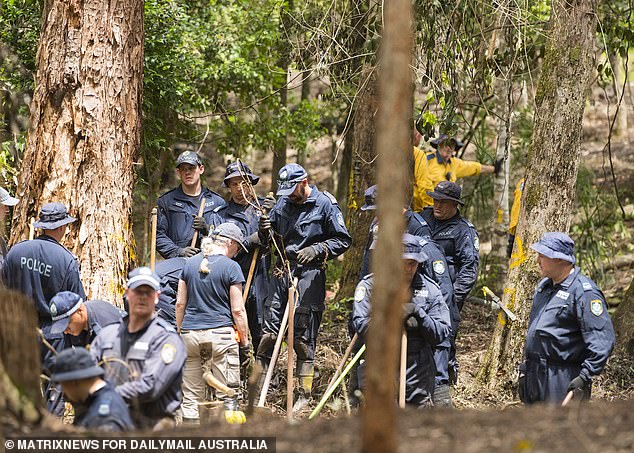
(515,215)
(431,167)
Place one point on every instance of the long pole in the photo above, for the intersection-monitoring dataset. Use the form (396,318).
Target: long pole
(290,341)
(247,285)
(346,354)
(200,213)
(403,374)
(327,395)
(276,351)
(153,239)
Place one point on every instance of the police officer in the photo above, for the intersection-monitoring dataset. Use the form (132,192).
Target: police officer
(169,272)
(143,356)
(310,227)
(434,267)
(80,321)
(209,305)
(459,241)
(96,403)
(6,201)
(242,210)
(426,321)
(570,334)
(41,268)
(431,167)
(178,209)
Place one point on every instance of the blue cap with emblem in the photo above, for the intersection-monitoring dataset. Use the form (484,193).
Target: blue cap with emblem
(556,245)
(370,198)
(412,249)
(446,190)
(62,306)
(288,177)
(53,215)
(7,199)
(240,169)
(75,363)
(188,157)
(143,276)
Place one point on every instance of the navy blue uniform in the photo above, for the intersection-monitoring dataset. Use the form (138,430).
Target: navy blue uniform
(40,269)
(246,218)
(570,334)
(208,303)
(169,271)
(151,383)
(100,314)
(317,222)
(175,221)
(459,241)
(104,410)
(433,329)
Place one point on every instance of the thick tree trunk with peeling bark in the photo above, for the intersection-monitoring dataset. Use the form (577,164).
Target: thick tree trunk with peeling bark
(362,176)
(393,145)
(85,133)
(551,173)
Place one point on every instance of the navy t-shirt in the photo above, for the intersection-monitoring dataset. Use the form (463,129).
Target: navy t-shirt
(208,303)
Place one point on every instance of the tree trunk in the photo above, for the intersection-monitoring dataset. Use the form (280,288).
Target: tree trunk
(624,322)
(361,177)
(620,126)
(85,133)
(503,91)
(391,291)
(345,169)
(551,174)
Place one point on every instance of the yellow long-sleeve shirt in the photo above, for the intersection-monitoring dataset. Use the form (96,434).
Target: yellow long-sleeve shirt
(429,170)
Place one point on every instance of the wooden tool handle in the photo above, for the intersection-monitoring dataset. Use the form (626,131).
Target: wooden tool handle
(200,213)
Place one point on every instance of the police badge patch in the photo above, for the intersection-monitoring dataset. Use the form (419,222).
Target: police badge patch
(359,294)
(53,310)
(596,307)
(284,175)
(476,243)
(168,353)
(439,267)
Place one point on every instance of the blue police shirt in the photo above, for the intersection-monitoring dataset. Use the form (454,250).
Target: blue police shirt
(40,269)
(104,410)
(316,221)
(175,221)
(169,272)
(208,303)
(459,241)
(569,324)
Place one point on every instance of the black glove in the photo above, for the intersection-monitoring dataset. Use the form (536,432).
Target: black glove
(264,226)
(497,166)
(521,385)
(188,252)
(201,225)
(246,358)
(268,203)
(577,383)
(409,312)
(307,254)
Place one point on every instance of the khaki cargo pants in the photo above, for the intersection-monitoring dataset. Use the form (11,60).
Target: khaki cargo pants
(214,350)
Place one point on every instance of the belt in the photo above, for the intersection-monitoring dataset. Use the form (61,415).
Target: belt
(551,361)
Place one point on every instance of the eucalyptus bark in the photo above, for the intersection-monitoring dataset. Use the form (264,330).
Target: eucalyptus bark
(624,323)
(362,176)
(391,290)
(85,133)
(551,174)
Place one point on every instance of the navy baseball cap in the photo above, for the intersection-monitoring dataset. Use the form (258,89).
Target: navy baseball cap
(230,231)
(241,169)
(556,245)
(75,363)
(7,199)
(143,276)
(446,190)
(288,177)
(412,250)
(188,157)
(370,198)
(62,306)
(453,142)
(53,215)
